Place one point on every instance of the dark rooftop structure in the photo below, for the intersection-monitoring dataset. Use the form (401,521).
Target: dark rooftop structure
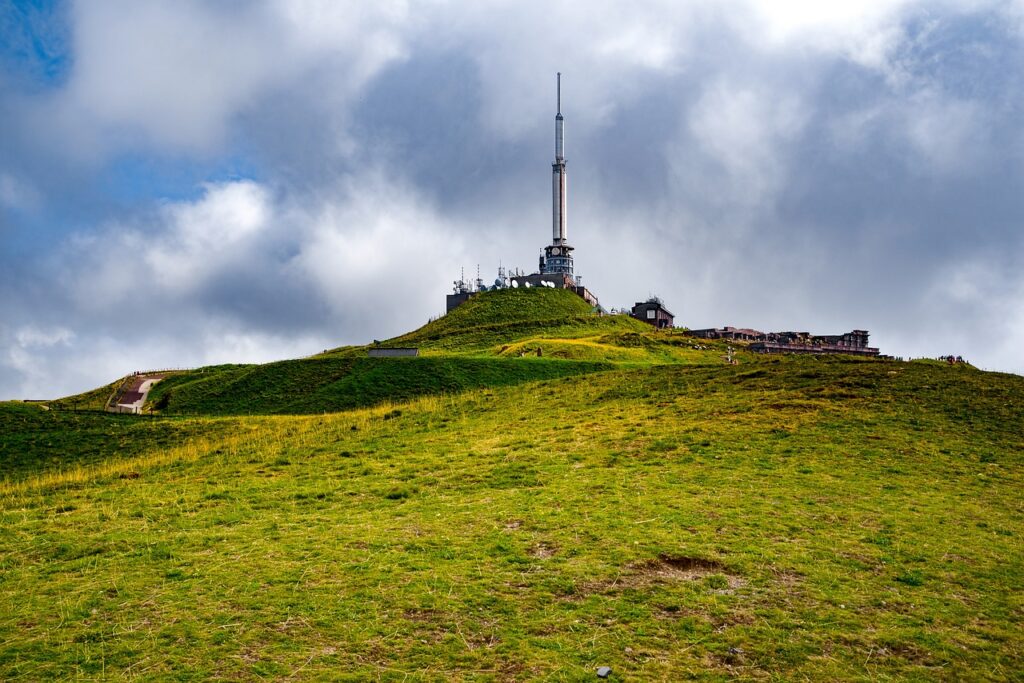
(653,311)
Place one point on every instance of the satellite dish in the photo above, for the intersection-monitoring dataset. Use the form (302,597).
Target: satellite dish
(515,284)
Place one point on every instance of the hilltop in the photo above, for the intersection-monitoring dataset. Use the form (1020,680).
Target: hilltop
(481,512)
(491,341)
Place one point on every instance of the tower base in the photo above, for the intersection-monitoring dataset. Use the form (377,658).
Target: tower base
(557,260)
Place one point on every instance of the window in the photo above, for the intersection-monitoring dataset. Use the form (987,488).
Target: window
(650,313)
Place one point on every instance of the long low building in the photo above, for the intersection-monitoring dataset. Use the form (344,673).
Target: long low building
(738,333)
(854,342)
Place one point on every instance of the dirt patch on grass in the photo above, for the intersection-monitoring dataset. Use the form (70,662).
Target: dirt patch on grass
(291,623)
(542,551)
(907,652)
(515,671)
(787,579)
(668,568)
(423,615)
(428,625)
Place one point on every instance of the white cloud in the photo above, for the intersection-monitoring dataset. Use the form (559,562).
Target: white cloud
(605,50)
(176,75)
(207,236)
(172,255)
(375,236)
(30,336)
(147,294)
(25,348)
(948,134)
(976,312)
(824,24)
(744,130)
(17,194)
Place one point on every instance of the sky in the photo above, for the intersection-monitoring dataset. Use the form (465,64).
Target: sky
(185,183)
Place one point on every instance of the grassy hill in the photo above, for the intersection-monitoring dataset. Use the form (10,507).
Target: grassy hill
(95,399)
(496,339)
(509,315)
(331,384)
(663,513)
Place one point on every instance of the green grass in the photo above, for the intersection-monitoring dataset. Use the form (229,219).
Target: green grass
(480,344)
(669,516)
(499,317)
(35,441)
(95,399)
(330,384)
(508,306)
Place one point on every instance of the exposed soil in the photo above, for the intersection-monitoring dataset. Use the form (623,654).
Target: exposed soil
(682,568)
(542,551)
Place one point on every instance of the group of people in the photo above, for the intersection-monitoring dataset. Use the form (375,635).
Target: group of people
(952,360)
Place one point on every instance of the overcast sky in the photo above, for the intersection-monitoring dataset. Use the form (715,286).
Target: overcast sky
(185,183)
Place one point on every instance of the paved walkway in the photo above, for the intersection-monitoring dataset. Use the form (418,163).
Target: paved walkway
(134,396)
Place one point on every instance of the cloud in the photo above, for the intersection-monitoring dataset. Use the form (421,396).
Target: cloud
(24,348)
(743,131)
(975,306)
(177,77)
(351,240)
(948,134)
(16,194)
(379,241)
(207,182)
(239,274)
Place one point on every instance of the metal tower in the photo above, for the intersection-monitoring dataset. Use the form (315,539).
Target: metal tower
(558,255)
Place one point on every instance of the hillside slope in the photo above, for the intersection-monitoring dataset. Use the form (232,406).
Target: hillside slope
(665,514)
(499,317)
(495,339)
(330,384)
(793,519)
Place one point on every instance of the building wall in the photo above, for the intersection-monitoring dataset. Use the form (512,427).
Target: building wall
(453,301)
(653,314)
(853,342)
(781,347)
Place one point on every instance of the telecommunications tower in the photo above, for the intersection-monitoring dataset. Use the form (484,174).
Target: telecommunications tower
(557,259)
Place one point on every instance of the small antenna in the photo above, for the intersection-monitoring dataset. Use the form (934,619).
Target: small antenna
(559,92)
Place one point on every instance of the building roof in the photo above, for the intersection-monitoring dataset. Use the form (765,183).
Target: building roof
(656,303)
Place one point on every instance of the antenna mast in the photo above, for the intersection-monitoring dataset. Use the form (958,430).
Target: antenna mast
(557,258)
